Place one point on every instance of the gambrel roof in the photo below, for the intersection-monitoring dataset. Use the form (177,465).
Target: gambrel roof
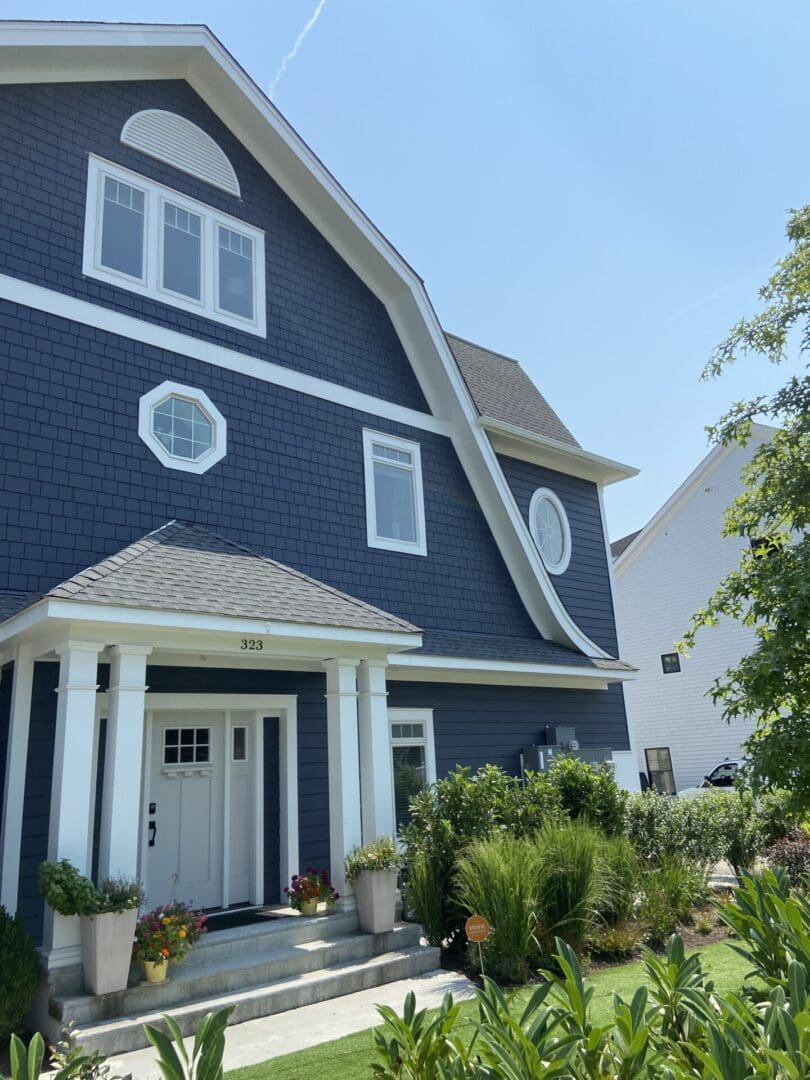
(32,52)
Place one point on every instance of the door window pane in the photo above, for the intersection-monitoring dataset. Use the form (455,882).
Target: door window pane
(182,251)
(410,777)
(240,744)
(235,271)
(186,746)
(394,502)
(122,228)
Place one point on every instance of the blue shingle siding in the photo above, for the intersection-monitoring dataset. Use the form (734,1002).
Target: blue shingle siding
(37,801)
(480,725)
(321,319)
(77,483)
(584,588)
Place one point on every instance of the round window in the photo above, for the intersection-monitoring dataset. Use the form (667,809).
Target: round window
(182,428)
(548,523)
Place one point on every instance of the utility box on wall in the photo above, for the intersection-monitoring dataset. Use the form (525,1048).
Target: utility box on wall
(560,740)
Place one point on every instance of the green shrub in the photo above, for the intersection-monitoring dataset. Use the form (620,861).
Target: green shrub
(19,974)
(615,942)
(498,879)
(659,827)
(669,894)
(792,854)
(380,854)
(571,883)
(589,792)
(66,890)
(621,870)
(463,807)
(777,815)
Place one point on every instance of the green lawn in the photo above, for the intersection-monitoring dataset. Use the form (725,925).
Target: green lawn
(350,1057)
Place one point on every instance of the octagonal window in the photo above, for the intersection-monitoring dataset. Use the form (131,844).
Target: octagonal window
(182,427)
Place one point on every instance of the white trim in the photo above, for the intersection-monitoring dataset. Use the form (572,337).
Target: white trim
(116,322)
(172,138)
(146,618)
(150,283)
(284,707)
(219,427)
(226,810)
(15,768)
(458,669)
(370,438)
(513,441)
(412,716)
(681,495)
(544,493)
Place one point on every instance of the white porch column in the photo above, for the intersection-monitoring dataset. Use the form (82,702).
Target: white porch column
(344,769)
(376,776)
(70,835)
(123,762)
(14,787)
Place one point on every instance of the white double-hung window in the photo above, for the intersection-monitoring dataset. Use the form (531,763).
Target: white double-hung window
(151,240)
(413,757)
(395,508)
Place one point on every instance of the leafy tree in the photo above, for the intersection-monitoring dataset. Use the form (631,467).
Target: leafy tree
(770,589)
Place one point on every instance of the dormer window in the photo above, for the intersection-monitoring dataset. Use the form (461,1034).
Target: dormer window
(147,239)
(395,510)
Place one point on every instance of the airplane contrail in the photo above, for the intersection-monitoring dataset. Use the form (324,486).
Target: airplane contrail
(299,41)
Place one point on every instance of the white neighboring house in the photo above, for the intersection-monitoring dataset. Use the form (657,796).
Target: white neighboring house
(664,573)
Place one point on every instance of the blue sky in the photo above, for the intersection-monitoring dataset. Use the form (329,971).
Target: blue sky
(595,187)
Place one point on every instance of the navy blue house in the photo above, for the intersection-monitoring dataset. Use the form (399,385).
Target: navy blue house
(277,550)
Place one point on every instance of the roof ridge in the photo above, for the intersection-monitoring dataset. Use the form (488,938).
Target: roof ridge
(484,348)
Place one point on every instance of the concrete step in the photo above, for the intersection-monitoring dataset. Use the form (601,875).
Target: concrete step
(273,958)
(290,929)
(125,1033)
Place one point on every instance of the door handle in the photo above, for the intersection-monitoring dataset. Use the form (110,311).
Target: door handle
(152,833)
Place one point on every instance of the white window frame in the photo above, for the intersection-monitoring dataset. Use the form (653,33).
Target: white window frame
(553,498)
(219,427)
(155,196)
(412,716)
(387,543)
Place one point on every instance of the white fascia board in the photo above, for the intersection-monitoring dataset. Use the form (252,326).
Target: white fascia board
(448,669)
(699,475)
(513,441)
(249,114)
(143,618)
(466,663)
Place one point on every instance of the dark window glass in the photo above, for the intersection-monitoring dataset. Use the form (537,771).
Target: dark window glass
(187,736)
(670,662)
(171,736)
(170,755)
(410,777)
(240,744)
(659,769)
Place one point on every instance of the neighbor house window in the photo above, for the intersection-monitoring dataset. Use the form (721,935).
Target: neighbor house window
(182,427)
(395,512)
(548,524)
(670,663)
(412,757)
(149,239)
(659,769)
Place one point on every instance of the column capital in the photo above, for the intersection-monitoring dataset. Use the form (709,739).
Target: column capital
(333,663)
(77,646)
(129,650)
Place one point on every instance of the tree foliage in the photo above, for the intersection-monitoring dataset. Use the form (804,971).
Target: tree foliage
(771,684)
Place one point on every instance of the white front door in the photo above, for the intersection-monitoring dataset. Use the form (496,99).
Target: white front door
(184,838)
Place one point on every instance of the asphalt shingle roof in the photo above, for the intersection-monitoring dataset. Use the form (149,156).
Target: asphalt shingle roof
(12,602)
(501,389)
(519,650)
(183,567)
(619,546)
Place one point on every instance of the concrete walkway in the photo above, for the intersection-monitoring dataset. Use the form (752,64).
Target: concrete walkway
(272,1036)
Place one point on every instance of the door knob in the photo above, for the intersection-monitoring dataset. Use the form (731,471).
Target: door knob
(152,833)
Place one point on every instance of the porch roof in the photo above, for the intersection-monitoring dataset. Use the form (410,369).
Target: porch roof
(484,647)
(183,567)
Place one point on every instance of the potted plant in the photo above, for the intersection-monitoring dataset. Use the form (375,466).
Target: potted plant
(164,935)
(372,870)
(107,914)
(309,889)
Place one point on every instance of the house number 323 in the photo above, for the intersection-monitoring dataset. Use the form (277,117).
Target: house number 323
(252,644)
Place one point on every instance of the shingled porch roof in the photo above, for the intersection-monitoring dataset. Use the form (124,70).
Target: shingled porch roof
(183,567)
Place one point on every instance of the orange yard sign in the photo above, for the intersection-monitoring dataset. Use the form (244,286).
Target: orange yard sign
(477,928)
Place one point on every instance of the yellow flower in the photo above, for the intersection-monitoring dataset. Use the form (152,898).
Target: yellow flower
(165,920)
(182,933)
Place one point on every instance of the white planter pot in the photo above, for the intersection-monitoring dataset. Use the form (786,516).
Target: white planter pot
(376,894)
(107,950)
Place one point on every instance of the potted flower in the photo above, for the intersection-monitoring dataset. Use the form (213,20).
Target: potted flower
(108,914)
(309,889)
(164,935)
(372,871)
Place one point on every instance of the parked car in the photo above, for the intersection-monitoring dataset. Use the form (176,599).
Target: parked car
(721,776)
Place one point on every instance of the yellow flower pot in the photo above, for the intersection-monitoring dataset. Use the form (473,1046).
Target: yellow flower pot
(309,907)
(155,970)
